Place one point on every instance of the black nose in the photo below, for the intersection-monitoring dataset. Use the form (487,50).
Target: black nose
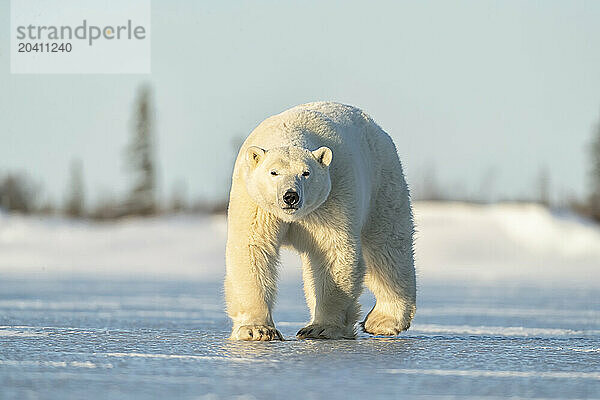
(291,198)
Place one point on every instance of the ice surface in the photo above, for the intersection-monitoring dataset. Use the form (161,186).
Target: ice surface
(167,339)
(508,307)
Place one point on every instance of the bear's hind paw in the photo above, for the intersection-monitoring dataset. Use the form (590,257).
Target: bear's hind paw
(383,325)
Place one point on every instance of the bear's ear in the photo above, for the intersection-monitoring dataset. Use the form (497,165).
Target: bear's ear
(254,155)
(323,155)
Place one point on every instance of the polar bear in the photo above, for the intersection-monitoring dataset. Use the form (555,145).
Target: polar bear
(325,180)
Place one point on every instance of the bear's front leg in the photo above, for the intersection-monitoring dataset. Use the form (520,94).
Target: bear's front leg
(250,282)
(333,272)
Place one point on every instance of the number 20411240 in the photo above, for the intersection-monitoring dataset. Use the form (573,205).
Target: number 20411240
(44,47)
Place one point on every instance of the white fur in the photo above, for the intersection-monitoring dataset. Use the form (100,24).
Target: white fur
(353,224)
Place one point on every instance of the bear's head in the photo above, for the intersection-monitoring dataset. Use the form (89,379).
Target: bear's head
(289,182)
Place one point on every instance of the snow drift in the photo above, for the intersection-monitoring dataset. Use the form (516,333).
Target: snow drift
(521,243)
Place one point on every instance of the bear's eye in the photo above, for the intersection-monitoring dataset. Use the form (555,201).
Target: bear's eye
(306,173)
(274,173)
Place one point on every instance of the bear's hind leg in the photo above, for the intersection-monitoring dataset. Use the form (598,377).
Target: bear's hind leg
(391,278)
(387,248)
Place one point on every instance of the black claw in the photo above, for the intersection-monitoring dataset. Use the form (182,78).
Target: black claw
(250,333)
(320,333)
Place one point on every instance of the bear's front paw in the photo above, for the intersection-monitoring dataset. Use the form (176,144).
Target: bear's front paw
(380,324)
(320,331)
(256,333)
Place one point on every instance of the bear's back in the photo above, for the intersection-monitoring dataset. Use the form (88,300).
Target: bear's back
(318,124)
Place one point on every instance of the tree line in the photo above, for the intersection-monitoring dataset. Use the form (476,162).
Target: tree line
(19,193)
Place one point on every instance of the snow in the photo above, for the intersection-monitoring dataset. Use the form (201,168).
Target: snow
(506,242)
(459,242)
(176,246)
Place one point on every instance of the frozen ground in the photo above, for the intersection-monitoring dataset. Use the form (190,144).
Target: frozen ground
(509,307)
(98,339)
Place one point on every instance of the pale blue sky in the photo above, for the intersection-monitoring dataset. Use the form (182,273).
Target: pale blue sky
(475,88)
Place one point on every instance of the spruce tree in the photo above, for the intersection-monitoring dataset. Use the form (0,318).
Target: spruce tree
(594,196)
(75,204)
(140,157)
